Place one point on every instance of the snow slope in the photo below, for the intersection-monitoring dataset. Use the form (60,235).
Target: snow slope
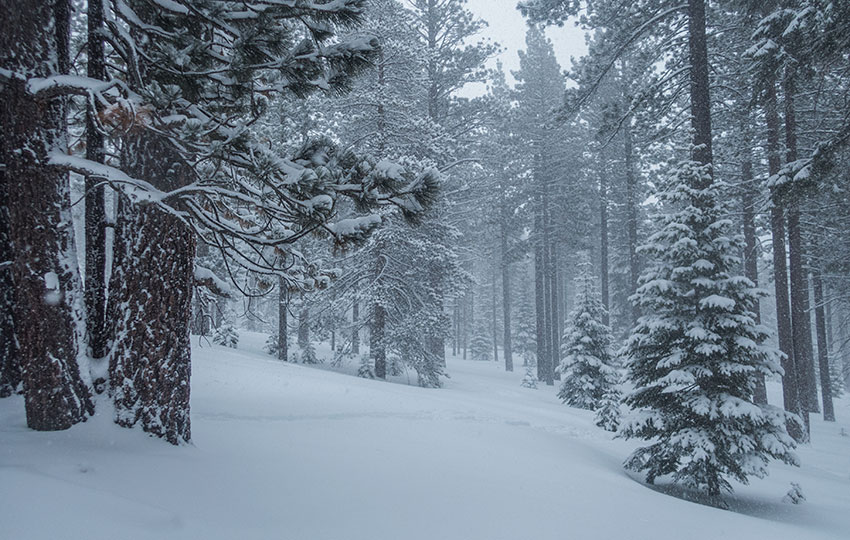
(284,451)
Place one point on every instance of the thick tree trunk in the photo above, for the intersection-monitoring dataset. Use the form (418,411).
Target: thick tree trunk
(10,367)
(823,348)
(790,386)
(751,251)
(151,299)
(95,285)
(34,42)
(282,320)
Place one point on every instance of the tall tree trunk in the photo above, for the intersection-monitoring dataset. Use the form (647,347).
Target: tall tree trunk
(540,302)
(304,325)
(603,240)
(377,343)
(823,348)
(95,285)
(150,299)
(355,327)
(10,367)
(751,250)
(507,344)
(282,320)
(494,316)
(631,220)
(554,316)
(700,102)
(800,318)
(47,292)
(790,386)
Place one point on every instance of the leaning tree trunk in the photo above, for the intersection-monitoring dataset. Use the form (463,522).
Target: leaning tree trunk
(34,43)
(151,299)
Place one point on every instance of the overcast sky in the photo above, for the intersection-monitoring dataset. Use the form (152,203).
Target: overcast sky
(507,27)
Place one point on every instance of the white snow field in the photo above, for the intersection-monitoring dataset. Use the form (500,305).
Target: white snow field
(284,451)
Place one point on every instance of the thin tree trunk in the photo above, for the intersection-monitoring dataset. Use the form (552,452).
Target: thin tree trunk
(304,325)
(47,292)
(507,345)
(790,386)
(554,317)
(800,318)
(540,303)
(355,328)
(95,285)
(631,220)
(823,348)
(751,252)
(282,320)
(603,241)
(494,316)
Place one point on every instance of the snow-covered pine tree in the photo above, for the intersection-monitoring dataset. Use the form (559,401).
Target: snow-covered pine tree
(529,380)
(587,368)
(695,355)
(226,335)
(481,344)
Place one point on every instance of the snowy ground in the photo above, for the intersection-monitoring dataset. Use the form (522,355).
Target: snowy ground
(285,451)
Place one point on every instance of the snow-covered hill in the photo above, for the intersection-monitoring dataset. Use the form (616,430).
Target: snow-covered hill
(284,451)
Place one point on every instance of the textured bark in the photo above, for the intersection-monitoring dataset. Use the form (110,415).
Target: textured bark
(10,367)
(151,299)
(95,285)
(751,252)
(700,103)
(34,43)
(823,348)
(282,320)
(790,386)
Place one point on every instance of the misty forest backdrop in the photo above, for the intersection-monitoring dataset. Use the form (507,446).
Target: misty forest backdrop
(657,232)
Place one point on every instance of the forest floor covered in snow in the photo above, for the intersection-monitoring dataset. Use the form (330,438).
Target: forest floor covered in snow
(285,451)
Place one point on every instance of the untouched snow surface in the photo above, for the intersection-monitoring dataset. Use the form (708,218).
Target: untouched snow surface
(284,451)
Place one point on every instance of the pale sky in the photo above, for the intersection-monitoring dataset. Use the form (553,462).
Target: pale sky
(507,27)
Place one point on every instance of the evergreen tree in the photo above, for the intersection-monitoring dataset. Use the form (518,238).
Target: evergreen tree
(587,368)
(695,356)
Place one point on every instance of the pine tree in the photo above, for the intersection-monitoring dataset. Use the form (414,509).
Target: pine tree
(695,356)
(587,368)
(529,380)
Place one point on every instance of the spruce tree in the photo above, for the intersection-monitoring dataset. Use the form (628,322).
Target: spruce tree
(587,367)
(696,355)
